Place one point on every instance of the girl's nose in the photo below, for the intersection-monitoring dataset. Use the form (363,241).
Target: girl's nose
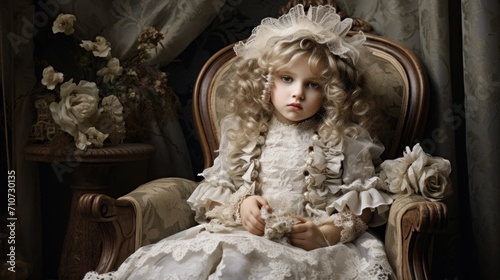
(298,93)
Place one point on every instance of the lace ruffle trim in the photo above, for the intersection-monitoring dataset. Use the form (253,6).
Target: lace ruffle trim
(352,226)
(324,164)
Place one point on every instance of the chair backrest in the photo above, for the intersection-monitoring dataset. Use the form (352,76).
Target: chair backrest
(395,76)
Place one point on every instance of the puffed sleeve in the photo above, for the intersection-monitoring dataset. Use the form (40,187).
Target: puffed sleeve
(361,185)
(225,181)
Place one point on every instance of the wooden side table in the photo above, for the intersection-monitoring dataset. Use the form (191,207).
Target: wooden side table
(89,174)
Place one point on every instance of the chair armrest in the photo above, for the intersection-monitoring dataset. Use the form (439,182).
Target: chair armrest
(144,216)
(412,223)
(161,209)
(116,221)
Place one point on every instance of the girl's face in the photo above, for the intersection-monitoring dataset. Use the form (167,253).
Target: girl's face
(296,95)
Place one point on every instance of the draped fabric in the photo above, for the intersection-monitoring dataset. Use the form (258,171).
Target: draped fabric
(17,81)
(120,22)
(481,57)
(463,122)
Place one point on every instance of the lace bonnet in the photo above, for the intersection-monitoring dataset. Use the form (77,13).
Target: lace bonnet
(320,22)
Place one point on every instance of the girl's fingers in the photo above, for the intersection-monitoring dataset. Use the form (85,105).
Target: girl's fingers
(301,226)
(263,203)
(254,225)
(300,243)
(257,222)
(301,219)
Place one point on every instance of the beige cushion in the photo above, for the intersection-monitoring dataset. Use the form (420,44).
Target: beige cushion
(161,209)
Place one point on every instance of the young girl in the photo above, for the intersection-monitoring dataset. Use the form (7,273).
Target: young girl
(294,187)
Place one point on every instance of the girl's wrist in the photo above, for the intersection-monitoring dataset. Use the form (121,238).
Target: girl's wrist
(331,233)
(327,243)
(237,213)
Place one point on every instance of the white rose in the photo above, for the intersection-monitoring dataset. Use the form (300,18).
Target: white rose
(81,101)
(417,172)
(78,109)
(435,183)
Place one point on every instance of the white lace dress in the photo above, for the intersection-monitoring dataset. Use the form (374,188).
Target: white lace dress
(222,249)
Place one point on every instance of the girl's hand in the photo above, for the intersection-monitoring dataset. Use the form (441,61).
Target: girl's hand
(306,235)
(250,214)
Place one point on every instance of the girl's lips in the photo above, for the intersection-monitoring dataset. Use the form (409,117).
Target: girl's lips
(295,106)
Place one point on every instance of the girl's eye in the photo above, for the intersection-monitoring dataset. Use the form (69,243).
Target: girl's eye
(287,79)
(313,85)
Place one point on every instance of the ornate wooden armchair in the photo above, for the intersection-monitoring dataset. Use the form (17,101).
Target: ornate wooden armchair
(158,209)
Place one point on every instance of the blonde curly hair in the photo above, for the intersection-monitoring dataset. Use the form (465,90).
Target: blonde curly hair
(346,104)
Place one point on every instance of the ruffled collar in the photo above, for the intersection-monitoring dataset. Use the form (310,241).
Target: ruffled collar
(308,124)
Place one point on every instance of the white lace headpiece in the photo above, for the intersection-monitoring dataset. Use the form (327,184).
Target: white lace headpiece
(321,23)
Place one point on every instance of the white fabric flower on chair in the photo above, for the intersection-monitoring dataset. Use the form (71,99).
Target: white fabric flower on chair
(417,172)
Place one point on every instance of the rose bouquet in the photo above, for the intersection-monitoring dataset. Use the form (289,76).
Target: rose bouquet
(105,99)
(417,173)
